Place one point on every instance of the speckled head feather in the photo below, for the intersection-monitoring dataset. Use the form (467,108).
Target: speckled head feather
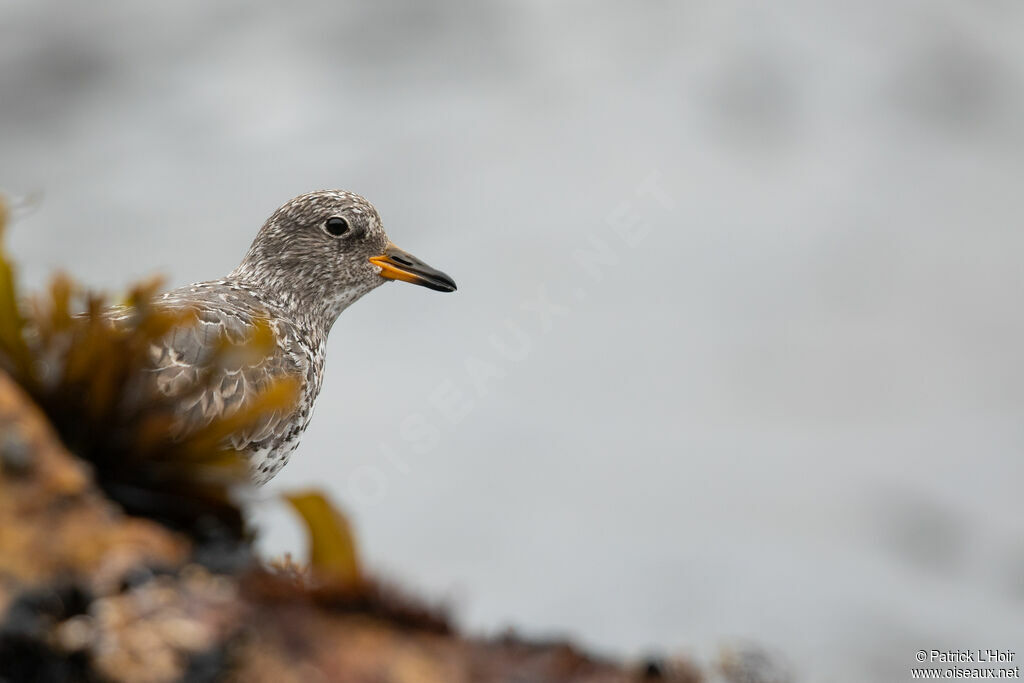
(314,257)
(317,267)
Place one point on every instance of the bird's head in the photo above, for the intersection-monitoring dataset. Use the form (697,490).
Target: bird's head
(329,247)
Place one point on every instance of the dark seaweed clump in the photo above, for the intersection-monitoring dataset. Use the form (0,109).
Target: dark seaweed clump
(86,365)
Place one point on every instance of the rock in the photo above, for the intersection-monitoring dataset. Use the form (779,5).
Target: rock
(89,593)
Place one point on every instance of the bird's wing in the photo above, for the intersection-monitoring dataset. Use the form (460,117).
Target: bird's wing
(189,357)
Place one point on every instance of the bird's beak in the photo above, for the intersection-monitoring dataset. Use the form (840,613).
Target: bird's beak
(396,264)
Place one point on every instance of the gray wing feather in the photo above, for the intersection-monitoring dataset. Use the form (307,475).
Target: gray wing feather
(185,356)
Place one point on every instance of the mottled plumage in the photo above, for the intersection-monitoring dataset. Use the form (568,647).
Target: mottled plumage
(314,257)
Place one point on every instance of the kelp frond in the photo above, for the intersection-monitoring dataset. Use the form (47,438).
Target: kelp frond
(332,546)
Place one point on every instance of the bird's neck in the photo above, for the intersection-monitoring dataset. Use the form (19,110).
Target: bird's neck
(313,306)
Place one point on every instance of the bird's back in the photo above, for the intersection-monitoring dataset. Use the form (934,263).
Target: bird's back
(191,355)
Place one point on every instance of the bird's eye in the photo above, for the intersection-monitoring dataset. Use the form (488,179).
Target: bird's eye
(337,226)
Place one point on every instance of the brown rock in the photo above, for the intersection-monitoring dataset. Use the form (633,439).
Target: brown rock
(87,592)
(53,522)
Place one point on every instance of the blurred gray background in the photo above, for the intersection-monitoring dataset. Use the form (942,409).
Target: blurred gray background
(736,353)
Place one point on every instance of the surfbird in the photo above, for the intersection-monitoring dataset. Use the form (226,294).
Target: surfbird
(312,259)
